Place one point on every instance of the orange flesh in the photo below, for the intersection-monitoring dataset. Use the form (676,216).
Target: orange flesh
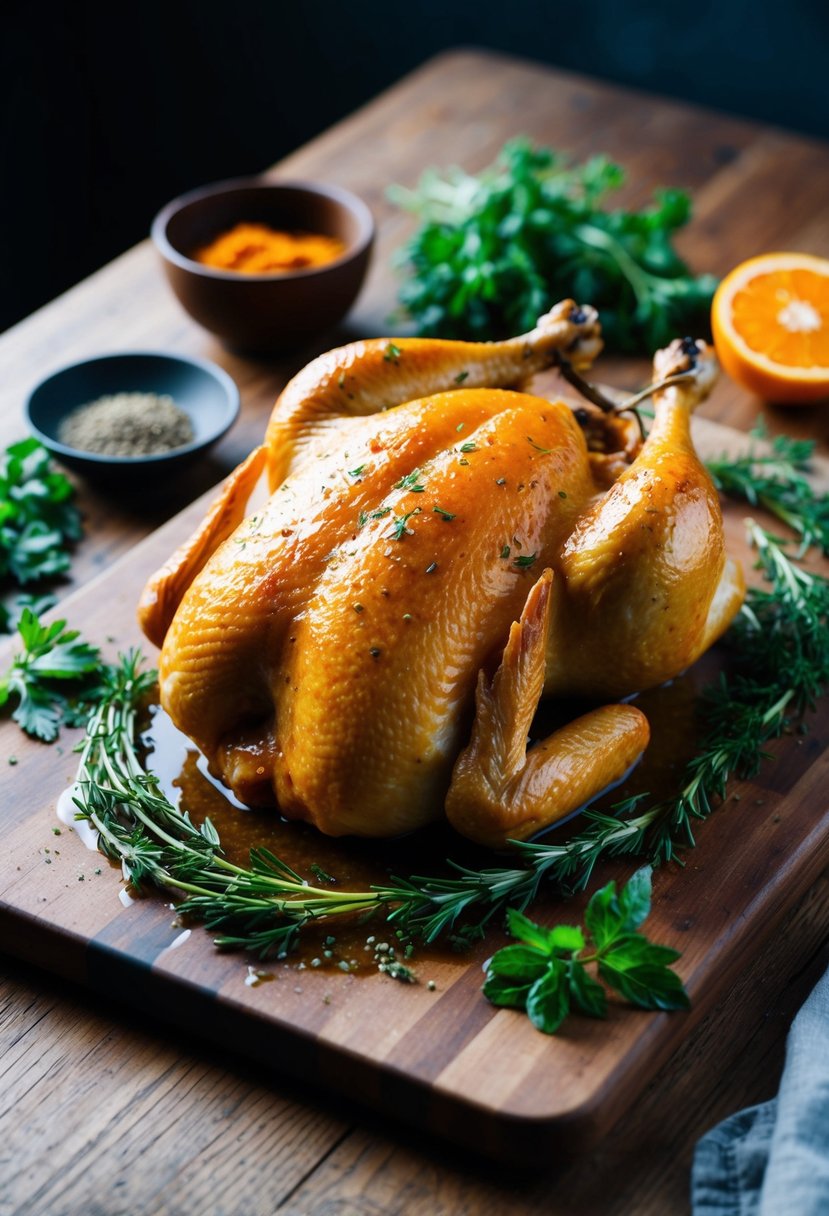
(756,317)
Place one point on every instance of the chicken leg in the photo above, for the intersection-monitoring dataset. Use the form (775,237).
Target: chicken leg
(646,586)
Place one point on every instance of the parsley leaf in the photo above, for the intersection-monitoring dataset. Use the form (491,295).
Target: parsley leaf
(546,972)
(54,678)
(37,517)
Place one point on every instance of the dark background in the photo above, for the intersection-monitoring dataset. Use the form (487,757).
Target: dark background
(109,111)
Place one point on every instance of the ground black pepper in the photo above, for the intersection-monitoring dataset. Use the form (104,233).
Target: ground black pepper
(127,424)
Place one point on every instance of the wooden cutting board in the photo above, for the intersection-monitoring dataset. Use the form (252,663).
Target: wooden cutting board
(438,1057)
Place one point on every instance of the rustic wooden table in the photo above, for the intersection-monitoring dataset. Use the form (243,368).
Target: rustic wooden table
(102,1113)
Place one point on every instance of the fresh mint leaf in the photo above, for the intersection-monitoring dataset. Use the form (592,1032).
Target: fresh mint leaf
(519,962)
(548,1001)
(640,971)
(547,972)
(587,995)
(635,899)
(501,990)
(609,915)
(525,930)
(648,987)
(633,950)
(601,916)
(565,938)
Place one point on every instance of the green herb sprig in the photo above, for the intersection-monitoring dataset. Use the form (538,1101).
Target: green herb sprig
(547,974)
(38,521)
(771,476)
(54,679)
(494,250)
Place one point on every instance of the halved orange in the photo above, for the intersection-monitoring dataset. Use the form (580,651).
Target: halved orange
(770,319)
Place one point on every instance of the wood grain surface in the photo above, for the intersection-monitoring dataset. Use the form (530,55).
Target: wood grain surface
(103,1115)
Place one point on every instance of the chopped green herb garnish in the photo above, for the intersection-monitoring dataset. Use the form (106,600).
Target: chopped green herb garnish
(362,519)
(538,446)
(431,568)
(392,353)
(444,514)
(505,552)
(400,527)
(500,481)
(562,493)
(460,426)
(380,513)
(469,446)
(410,482)
(461,376)
(529,559)
(358,472)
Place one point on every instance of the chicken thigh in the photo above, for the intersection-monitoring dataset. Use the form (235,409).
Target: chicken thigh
(439,550)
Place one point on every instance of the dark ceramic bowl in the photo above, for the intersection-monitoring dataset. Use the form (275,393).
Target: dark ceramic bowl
(272,312)
(203,391)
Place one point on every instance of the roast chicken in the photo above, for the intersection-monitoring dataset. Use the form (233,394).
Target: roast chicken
(441,549)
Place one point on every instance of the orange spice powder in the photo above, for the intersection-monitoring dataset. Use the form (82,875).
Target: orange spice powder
(258,249)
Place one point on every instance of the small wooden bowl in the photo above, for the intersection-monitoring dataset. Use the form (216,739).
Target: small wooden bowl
(272,312)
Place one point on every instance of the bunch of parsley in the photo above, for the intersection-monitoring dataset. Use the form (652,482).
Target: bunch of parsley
(494,252)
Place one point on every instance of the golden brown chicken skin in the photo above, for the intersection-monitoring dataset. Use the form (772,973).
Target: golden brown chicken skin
(439,550)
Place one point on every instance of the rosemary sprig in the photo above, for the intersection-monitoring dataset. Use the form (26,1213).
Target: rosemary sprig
(772,477)
(261,907)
